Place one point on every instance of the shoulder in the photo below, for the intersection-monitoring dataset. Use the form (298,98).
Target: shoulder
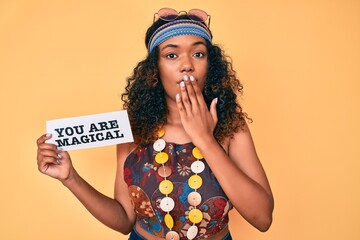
(243,134)
(241,144)
(238,139)
(123,150)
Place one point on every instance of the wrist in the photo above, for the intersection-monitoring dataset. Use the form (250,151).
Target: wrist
(205,143)
(70,179)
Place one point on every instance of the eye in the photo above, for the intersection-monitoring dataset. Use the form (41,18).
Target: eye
(199,55)
(171,56)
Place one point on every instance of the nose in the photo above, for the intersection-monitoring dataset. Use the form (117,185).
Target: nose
(186,64)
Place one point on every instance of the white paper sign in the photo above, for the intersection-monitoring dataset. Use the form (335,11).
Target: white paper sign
(90,131)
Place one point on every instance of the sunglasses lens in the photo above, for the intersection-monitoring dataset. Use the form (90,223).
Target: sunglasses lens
(167,14)
(198,15)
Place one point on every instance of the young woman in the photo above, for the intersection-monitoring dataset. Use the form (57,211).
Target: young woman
(193,158)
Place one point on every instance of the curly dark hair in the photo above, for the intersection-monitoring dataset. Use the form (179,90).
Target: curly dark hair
(144,96)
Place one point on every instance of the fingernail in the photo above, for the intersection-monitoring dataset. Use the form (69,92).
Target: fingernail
(57,161)
(178,96)
(59,155)
(192,78)
(216,100)
(182,84)
(186,77)
(48,135)
(59,148)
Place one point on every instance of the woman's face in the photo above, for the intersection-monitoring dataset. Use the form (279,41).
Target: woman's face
(179,56)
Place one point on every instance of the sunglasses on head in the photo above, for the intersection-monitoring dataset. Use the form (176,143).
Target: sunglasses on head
(169,14)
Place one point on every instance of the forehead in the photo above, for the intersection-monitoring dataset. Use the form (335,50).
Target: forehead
(183,41)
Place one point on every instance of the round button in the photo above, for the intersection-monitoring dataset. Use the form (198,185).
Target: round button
(197,167)
(172,235)
(159,145)
(167,204)
(194,199)
(161,157)
(166,187)
(161,133)
(195,181)
(192,232)
(169,221)
(197,154)
(195,216)
(164,171)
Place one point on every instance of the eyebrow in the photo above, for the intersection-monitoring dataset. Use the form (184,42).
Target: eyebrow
(177,46)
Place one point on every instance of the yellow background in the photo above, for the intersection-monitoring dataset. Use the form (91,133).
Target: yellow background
(298,60)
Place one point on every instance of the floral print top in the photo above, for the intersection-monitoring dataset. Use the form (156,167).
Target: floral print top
(140,174)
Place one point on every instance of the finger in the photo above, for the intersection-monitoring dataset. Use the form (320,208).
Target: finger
(43,138)
(198,93)
(180,106)
(191,92)
(46,149)
(64,155)
(185,98)
(43,167)
(213,111)
(48,153)
(48,146)
(48,162)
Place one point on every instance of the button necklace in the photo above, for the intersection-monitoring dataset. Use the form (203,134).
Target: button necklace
(167,204)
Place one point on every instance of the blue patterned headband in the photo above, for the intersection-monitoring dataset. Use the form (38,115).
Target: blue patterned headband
(177,28)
